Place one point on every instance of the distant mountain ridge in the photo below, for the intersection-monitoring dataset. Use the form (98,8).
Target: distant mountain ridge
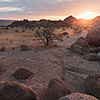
(6,22)
(67,22)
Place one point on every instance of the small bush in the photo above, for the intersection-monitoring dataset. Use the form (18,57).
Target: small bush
(32,29)
(63,28)
(23,30)
(16,31)
(6,28)
(12,27)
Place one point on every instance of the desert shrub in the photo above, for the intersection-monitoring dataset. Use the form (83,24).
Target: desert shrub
(46,35)
(77,29)
(32,29)
(57,27)
(6,28)
(23,30)
(39,27)
(63,28)
(16,31)
(26,28)
(12,27)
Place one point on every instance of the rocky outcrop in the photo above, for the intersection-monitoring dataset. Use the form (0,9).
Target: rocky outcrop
(56,89)
(93,37)
(80,46)
(16,91)
(78,96)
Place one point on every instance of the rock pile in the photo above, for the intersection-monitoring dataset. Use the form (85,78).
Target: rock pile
(89,47)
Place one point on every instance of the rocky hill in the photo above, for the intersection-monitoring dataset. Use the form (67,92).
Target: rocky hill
(67,22)
(96,21)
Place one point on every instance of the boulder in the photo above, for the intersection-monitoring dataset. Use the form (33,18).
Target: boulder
(56,90)
(92,86)
(94,49)
(97,49)
(78,96)
(98,55)
(80,46)
(91,57)
(23,73)
(93,37)
(16,91)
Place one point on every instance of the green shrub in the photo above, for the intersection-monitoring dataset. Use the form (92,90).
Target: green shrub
(16,31)
(46,35)
(6,28)
(23,30)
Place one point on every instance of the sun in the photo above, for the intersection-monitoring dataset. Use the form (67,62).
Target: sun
(87,15)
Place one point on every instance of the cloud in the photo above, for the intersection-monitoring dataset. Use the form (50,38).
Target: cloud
(6,0)
(10,9)
(39,8)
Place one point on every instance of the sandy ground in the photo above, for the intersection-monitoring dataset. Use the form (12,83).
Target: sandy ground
(57,62)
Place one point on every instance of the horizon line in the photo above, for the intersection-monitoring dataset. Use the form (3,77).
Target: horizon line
(37,19)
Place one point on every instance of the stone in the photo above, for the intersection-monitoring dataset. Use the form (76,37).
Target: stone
(92,86)
(91,57)
(78,96)
(93,37)
(65,33)
(98,55)
(23,73)
(80,46)
(56,90)
(16,91)
(25,47)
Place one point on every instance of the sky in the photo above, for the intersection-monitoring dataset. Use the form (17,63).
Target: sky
(48,9)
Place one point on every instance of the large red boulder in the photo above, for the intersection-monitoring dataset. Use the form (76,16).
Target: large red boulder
(16,91)
(93,37)
(56,90)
